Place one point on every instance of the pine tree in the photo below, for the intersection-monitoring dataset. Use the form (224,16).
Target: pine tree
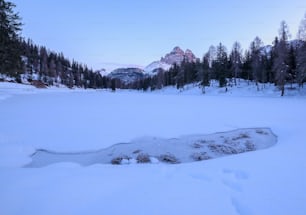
(113,85)
(302,30)
(267,74)
(301,65)
(256,59)
(220,65)
(10,26)
(301,53)
(292,64)
(236,60)
(246,66)
(44,70)
(203,71)
(181,75)
(280,64)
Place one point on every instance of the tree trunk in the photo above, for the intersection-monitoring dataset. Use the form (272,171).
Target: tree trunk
(283,90)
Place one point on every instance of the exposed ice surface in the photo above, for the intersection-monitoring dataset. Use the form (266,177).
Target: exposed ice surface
(176,150)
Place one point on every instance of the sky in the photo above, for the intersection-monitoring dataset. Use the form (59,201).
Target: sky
(104,33)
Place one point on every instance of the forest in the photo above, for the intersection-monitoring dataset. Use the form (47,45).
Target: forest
(283,62)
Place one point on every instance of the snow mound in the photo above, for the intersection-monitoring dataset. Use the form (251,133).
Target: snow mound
(158,150)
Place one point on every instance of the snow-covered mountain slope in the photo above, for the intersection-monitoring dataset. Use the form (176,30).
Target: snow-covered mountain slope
(127,75)
(103,72)
(156,65)
(107,68)
(270,181)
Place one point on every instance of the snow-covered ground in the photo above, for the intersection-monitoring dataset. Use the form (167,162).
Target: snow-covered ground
(269,181)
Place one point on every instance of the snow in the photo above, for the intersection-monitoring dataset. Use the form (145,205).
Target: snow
(155,65)
(269,181)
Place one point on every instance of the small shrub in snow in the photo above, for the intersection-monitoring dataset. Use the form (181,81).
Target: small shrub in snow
(201,143)
(208,141)
(249,146)
(118,160)
(38,84)
(259,131)
(244,135)
(136,151)
(222,149)
(241,136)
(197,145)
(143,158)
(204,141)
(199,156)
(168,158)
(227,141)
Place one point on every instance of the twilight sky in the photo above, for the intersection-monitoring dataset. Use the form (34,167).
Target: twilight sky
(103,32)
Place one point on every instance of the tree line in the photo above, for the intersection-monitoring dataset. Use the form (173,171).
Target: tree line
(22,59)
(280,63)
(53,69)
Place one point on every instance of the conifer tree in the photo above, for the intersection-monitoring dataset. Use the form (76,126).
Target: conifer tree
(220,65)
(236,60)
(256,59)
(301,53)
(292,64)
(10,26)
(280,64)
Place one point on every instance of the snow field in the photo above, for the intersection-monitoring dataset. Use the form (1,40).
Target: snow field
(270,181)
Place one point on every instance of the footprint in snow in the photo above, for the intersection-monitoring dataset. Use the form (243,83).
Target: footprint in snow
(237,174)
(240,208)
(233,178)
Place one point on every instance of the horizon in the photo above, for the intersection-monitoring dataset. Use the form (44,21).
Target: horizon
(138,33)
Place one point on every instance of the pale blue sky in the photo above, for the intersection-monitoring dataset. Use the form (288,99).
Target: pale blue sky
(96,32)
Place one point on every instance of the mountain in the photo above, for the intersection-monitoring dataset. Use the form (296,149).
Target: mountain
(130,74)
(102,72)
(176,56)
(127,75)
(154,66)
(107,67)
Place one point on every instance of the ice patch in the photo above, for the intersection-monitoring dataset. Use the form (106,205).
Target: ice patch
(176,150)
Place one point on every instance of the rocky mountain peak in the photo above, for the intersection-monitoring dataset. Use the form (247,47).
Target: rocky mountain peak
(177,55)
(177,50)
(189,56)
